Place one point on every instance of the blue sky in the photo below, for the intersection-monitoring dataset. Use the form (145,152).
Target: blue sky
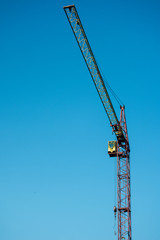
(56,178)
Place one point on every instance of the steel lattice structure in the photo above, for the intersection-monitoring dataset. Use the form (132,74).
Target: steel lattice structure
(123,184)
(89,58)
(119,127)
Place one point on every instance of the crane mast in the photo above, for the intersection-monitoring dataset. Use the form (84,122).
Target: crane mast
(119,148)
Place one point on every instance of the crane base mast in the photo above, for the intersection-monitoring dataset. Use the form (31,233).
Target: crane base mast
(120,149)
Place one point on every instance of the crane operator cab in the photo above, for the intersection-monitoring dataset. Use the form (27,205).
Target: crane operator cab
(112,148)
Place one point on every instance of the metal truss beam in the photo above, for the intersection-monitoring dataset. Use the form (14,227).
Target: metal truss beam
(89,58)
(123,184)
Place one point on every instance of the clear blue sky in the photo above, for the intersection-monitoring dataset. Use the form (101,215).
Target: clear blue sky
(56,178)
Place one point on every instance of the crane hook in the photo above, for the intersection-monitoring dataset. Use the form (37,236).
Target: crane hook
(115,211)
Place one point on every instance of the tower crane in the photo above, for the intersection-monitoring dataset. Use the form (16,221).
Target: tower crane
(119,148)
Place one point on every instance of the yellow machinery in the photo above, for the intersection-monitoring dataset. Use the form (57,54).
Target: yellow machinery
(112,148)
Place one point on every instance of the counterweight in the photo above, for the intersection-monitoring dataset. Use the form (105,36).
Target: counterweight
(122,151)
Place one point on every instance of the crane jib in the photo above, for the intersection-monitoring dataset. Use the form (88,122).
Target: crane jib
(89,58)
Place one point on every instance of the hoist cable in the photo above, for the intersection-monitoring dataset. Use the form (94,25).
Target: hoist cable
(110,88)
